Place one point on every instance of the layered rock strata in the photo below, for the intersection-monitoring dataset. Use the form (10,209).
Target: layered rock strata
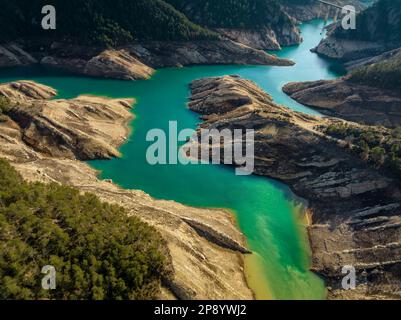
(44,140)
(136,61)
(349,100)
(355,217)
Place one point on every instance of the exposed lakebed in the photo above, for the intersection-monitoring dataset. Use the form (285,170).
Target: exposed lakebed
(267,212)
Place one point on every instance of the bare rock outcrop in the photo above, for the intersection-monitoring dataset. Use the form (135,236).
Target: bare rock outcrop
(24,91)
(355,209)
(83,128)
(136,61)
(11,55)
(349,100)
(44,139)
(259,39)
(110,63)
(307,10)
(376,31)
(159,54)
(264,38)
(355,64)
(349,49)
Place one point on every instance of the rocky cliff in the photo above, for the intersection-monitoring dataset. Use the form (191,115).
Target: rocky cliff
(367,61)
(136,61)
(258,24)
(349,100)
(44,139)
(171,54)
(377,30)
(369,94)
(348,50)
(355,209)
(306,10)
(264,38)
(12,55)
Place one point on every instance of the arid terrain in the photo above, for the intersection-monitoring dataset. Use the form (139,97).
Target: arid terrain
(355,209)
(45,141)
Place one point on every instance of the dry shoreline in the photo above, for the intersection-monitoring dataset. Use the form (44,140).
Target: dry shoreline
(362,229)
(137,61)
(205,245)
(30,88)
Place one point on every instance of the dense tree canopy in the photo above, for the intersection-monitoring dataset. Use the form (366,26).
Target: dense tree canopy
(233,13)
(117,22)
(97,250)
(102,22)
(381,22)
(385,74)
(376,147)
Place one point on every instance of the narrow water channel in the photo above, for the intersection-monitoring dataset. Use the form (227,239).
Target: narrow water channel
(267,212)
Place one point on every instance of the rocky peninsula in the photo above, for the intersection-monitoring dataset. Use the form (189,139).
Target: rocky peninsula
(135,61)
(45,140)
(349,100)
(377,31)
(355,216)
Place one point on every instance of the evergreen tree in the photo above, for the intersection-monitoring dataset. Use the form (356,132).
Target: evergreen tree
(97,250)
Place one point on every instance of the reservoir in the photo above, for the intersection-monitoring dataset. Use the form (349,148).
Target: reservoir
(269,215)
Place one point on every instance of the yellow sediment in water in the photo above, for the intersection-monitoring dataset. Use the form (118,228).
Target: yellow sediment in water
(263,207)
(255,277)
(255,265)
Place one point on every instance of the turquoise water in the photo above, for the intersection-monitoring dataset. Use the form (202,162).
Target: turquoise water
(267,212)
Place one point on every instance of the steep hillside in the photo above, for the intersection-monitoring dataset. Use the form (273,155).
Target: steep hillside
(250,14)
(378,29)
(384,74)
(47,224)
(355,215)
(42,138)
(258,23)
(119,39)
(380,23)
(370,93)
(349,100)
(99,21)
(306,10)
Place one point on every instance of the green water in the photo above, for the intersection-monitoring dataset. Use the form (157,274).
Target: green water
(267,212)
